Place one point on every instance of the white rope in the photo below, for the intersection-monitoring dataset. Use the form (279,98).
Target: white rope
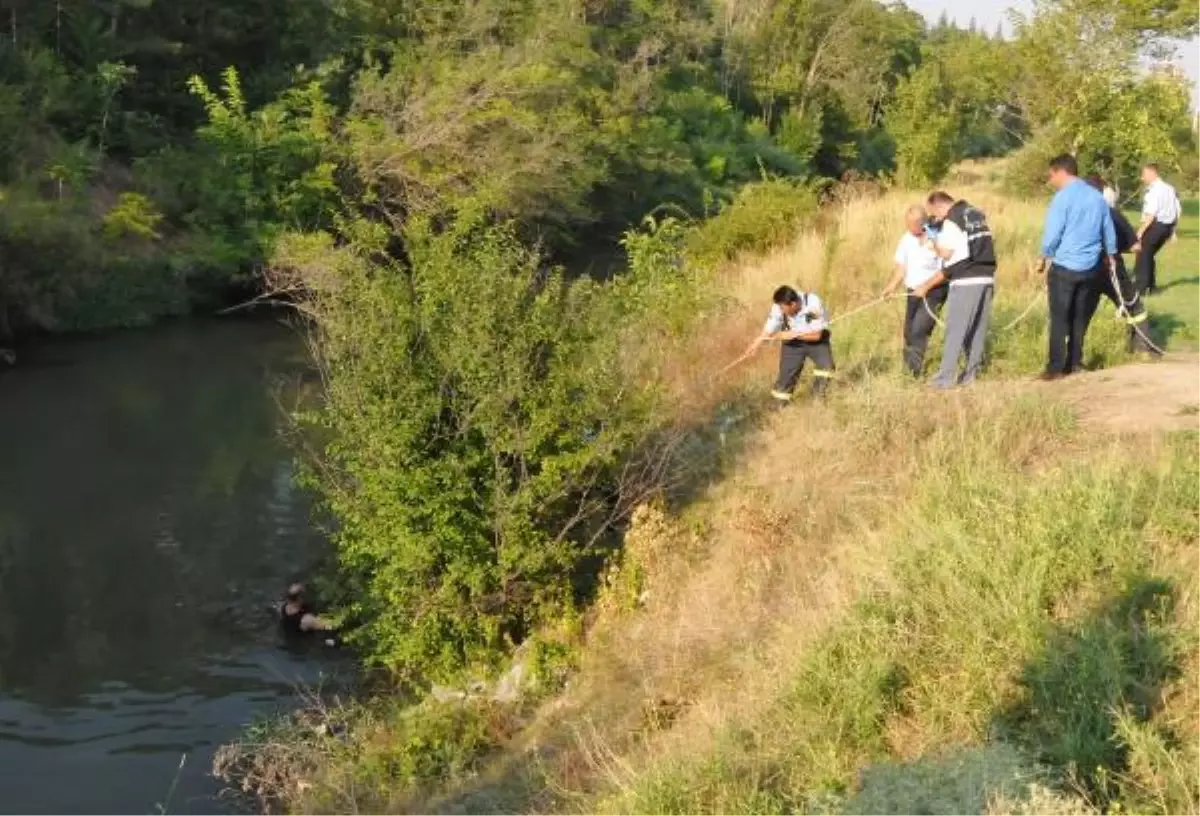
(929,310)
(1025,313)
(868,305)
(1124,308)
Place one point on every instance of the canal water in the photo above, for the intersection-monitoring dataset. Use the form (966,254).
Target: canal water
(148,522)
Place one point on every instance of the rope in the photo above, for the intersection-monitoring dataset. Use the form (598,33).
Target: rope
(930,312)
(1124,310)
(925,302)
(868,305)
(1025,313)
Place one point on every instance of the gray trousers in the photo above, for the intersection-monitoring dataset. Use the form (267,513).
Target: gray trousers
(968,312)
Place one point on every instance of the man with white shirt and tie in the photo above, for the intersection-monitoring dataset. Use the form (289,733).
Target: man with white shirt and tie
(1160,214)
(917,262)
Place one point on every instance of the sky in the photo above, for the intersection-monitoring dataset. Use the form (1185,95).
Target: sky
(989,12)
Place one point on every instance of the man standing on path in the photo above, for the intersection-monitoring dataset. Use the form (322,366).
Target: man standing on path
(1079,241)
(1160,214)
(916,263)
(969,263)
(799,322)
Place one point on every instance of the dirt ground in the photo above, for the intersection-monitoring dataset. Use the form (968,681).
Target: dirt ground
(1160,395)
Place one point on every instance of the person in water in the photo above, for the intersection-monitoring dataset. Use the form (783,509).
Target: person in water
(297,618)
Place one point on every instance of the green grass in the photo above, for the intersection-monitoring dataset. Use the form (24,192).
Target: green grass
(1028,615)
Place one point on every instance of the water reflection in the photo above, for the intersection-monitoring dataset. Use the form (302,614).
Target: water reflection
(148,519)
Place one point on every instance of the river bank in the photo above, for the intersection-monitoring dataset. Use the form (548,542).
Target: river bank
(974,602)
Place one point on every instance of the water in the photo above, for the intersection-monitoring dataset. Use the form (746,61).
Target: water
(148,520)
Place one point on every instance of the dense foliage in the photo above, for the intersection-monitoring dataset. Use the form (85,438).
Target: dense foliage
(485,435)
(410,171)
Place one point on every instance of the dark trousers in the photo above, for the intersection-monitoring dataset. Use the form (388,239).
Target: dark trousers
(792,355)
(1145,268)
(1129,303)
(1074,297)
(918,325)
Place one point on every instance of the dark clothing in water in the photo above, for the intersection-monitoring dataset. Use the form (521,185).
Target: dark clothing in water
(290,621)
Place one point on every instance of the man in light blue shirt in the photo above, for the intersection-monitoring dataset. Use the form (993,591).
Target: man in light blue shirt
(1079,244)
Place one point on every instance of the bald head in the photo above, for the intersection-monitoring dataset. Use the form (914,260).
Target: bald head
(914,219)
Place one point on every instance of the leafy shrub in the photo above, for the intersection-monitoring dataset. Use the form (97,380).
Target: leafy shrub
(133,214)
(925,126)
(762,214)
(480,420)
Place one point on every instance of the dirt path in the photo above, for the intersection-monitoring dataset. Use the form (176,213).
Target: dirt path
(1163,395)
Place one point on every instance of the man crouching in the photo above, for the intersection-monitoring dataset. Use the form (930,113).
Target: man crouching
(799,322)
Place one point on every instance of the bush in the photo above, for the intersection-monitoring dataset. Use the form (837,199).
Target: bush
(64,271)
(762,214)
(365,757)
(481,425)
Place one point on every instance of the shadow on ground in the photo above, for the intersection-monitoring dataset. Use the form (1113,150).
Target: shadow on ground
(1192,281)
(1163,326)
(1116,660)
(1058,746)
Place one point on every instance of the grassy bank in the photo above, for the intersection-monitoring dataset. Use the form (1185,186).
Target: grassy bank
(1174,310)
(895,601)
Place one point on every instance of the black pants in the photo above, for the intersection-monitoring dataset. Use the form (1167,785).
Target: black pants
(1127,300)
(1145,268)
(918,325)
(1074,297)
(792,355)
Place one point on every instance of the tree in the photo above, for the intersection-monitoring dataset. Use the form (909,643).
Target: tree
(483,434)
(1079,88)
(924,123)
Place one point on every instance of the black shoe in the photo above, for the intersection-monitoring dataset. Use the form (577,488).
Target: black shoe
(1051,376)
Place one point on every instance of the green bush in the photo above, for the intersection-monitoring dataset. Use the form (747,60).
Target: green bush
(763,214)
(64,271)
(480,421)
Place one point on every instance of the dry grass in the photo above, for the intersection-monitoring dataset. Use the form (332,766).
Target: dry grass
(852,612)
(737,589)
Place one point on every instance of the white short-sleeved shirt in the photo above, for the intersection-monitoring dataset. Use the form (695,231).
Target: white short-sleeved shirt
(810,318)
(1161,202)
(954,239)
(919,261)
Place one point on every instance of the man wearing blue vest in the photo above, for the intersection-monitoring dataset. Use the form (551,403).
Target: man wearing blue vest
(1079,244)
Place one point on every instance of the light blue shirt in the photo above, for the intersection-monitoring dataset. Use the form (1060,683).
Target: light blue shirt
(1078,227)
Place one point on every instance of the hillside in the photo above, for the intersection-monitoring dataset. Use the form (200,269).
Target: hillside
(921,603)
(896,601)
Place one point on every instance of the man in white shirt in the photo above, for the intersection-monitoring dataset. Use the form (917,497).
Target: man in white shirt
(798,320)
(1160,214)
(969,263)
(917,262)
